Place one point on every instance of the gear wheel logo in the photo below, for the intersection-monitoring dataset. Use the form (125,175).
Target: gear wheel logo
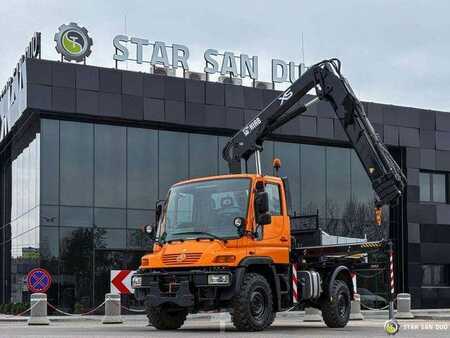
(73,42)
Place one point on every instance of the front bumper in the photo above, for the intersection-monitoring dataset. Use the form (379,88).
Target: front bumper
(184,288)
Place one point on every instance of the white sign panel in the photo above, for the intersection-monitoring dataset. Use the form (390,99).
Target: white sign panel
(121,281)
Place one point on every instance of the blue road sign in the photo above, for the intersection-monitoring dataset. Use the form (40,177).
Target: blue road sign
(39,280)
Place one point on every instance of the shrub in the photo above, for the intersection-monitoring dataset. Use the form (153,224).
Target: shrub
(78,308)
(2,308)
(23,307)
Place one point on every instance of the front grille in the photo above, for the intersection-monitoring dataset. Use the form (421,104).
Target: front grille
(181,258)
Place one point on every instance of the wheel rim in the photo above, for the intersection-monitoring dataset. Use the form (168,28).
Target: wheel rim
(258,304)
(342,305)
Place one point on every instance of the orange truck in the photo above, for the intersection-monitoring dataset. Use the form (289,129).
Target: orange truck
(230,243)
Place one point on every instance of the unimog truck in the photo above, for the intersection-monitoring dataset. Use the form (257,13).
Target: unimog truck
(230,243)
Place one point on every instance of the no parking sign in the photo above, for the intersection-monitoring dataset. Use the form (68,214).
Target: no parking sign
(39,280)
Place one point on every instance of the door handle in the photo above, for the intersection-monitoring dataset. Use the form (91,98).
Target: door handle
(283,239)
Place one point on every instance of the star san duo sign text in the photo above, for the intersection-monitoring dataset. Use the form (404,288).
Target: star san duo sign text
(225,63)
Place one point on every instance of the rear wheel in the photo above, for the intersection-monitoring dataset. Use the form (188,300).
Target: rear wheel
(253,306)
(336,313)
(166,318)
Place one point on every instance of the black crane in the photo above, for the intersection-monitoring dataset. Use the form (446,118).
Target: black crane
(325,77)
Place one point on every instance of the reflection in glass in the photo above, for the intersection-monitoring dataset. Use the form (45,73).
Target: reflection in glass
(110,166)
(137,218)
(109,238)
(173,159)
(110,218)
(425,187)
(289,154)
(439,187)
(203,152)
(76,217)
(49,160)
(138,239)
(142,168)
(76,166)
(313,187)
(76,267)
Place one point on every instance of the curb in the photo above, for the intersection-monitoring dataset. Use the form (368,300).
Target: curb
(431,314)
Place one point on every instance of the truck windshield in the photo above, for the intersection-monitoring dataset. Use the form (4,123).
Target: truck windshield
(205,209)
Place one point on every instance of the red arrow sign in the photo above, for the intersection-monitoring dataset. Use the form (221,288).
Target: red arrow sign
(121,281)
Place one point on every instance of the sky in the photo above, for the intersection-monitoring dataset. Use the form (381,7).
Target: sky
(393,52)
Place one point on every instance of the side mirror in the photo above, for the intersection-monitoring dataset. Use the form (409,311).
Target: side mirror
(261,202)
(262,214)
(158,211)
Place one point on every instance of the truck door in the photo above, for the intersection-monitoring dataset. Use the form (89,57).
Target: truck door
(275,243)
(274,229)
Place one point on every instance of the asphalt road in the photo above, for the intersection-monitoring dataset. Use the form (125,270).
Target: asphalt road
(214,328)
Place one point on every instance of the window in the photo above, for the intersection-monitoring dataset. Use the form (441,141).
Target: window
(173,160)
(436,275)
(433,187)
(205,207)
(110,166)
(289,153)
(273,190)
(313,180)
(338,185)
(203,152)
(142,168)
(76,164)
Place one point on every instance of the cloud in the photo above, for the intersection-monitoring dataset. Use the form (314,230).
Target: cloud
(392,52)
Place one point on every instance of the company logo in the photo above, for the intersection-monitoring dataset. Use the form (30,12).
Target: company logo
(181,257)
(391,327)
(73,42)
(286,96)
(251,126)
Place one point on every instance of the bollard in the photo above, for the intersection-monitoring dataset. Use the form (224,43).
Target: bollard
(404,306)
(312,315)
(355,312)
(38,313)
(112,309)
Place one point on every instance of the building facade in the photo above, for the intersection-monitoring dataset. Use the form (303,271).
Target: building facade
(86,152)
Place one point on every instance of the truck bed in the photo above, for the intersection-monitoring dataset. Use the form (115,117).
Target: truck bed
(309,240)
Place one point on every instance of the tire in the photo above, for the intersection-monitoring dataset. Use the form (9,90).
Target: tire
(336,313)
(252,308)
(165,318)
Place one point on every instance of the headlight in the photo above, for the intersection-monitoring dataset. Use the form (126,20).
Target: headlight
(136,282)
(219,279)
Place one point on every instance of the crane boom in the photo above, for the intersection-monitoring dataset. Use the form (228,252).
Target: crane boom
(325,77)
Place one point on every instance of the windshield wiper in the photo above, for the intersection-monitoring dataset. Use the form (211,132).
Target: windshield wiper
(210,235)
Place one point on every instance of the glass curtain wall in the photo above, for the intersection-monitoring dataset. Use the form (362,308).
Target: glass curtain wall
(99,185)
(19,227)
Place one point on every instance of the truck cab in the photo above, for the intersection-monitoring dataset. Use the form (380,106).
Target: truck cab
(213,222)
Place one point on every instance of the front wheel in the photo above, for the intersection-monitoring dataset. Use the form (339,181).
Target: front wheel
(166,318)
(253,306)
(336,312)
